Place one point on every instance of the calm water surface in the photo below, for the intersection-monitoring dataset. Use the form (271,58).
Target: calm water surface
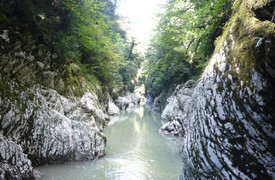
(135,151)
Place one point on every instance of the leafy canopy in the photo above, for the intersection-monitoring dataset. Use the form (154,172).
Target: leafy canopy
(183,41)
(84,32)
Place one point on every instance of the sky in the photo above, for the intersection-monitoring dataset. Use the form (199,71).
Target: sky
(141,14)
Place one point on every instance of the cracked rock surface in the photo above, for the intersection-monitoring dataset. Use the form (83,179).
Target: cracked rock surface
(225,121)
(48,114)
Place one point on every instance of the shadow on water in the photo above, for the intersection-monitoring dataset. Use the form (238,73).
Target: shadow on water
(135,150)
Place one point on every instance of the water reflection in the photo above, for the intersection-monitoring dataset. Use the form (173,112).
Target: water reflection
(135,150)
(140,111)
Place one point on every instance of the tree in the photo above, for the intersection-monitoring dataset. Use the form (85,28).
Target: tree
(85,32)
(184,41)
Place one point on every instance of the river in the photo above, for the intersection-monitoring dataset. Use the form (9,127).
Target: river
(135,151)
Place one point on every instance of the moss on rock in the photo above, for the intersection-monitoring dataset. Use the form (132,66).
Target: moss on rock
(229,123)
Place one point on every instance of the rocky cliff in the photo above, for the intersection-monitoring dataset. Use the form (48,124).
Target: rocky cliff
(49,112)
(226,120)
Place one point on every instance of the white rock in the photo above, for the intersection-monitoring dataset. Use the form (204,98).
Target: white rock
(113,109)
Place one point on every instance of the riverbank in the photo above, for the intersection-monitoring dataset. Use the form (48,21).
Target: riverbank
(135,150)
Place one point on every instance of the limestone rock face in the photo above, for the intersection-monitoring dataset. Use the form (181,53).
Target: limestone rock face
(226,120)
(49,127)
(113,109)
(176,108)
(90,104)
(158,104)
(127,102)
(48,113)
(14,163)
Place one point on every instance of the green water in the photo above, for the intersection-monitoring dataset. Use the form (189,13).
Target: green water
(135,151)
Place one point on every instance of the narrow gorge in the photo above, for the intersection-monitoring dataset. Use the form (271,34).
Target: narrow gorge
(48,116)
(226,118)
(69,73)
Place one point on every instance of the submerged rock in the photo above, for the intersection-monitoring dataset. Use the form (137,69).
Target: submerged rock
(227,120)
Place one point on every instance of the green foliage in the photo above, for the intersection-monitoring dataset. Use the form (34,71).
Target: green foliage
(85,32)
(128,69)
(184,41)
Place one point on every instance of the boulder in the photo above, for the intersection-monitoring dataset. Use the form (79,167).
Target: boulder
(113,109)
(49,127)
(14,163)
(127,102)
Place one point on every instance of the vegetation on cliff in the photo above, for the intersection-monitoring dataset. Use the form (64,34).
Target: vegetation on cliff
(86,33)
(59,59)
(184,42)
(226,123)
(226,120)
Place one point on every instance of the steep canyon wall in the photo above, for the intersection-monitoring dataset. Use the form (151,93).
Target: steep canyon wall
(226,119)
(49,112)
